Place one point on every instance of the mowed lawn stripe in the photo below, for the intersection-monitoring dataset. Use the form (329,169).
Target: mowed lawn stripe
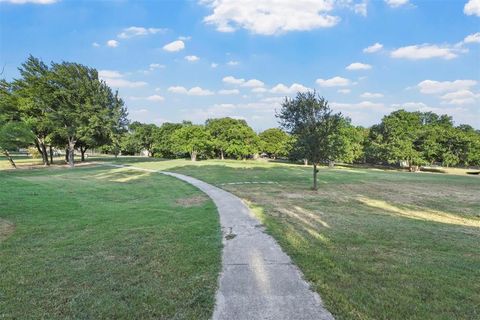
(106,243)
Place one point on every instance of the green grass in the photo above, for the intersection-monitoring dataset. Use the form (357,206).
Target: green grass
(97,242)
(375,244)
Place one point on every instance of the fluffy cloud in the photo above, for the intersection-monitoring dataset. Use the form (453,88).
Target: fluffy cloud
(233,80)
(30,1)
(117,80)
(192,58)
(155,97)
(358,66)
(229,92)
(232,63)
(472,38)
(95,44)
(472,7)
(426,51)
(362,106)
(253,83)
(195,91)
(373,48)
(138,31)
(396,3)
(294,88)
(112,43)
(344,91)
(370,95)
(361,9)
(154,66)
(438,87)
(214,65)
(259,90)
(460,97)
(176,45)
(333,82)
(270,17)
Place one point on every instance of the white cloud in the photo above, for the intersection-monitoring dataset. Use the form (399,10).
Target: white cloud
(233,80)
(229,92)
(373,48)
(195,91)
(396,3)
(95,44)
(438,87)
(268,17)
(116,79)
(333,82)
(192,58)
(131,32)
(253,83)
(426,51)
(155,97)
(112,43)
(232,63)
(174,46)
(364,105)
(361,9)
(294,88)
(185,38)
(344,91)
(358,66)
(460,97)
(472,38)
(214,65)
(370,95)
(472,7)
(259,90)
(30,1)
(154,66)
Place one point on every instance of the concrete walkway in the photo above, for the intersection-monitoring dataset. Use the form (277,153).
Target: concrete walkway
(258,280)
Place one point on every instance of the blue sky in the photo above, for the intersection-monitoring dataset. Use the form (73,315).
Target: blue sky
(193,60)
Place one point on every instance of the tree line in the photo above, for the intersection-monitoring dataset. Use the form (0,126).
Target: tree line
(62,105)
(66,106)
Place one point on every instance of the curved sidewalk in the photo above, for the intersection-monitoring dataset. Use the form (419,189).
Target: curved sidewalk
(258,280)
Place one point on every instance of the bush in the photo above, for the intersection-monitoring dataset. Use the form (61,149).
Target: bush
(33,152)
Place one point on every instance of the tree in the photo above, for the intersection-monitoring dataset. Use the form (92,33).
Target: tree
(242,141)
(143,135)
(34,96)
(162,140)
(192,139)
(396,137)
(309,117)
(221,129)
(275,142)
(14,135)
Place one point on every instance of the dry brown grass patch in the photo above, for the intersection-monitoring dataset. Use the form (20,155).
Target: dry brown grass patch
(6,229)
(194,201)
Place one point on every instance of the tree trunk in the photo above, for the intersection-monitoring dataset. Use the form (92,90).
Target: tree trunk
(305,162)
(40,144)
(82,151)
(71,152)
(315,171)
(51,154)
(193,156)
(10,159)
(222,155)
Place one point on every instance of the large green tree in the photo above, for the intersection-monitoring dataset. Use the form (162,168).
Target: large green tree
(309,118)
(35,100)
(163,144)
(275,142)
(143,135)
(192,139)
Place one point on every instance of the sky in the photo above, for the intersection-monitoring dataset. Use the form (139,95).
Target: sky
(194,60)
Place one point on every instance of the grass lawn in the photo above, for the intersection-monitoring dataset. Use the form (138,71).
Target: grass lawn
(101,242)
(375,244)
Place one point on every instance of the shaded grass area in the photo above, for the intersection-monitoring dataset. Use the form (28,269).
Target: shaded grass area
(375,244)
(97,242)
